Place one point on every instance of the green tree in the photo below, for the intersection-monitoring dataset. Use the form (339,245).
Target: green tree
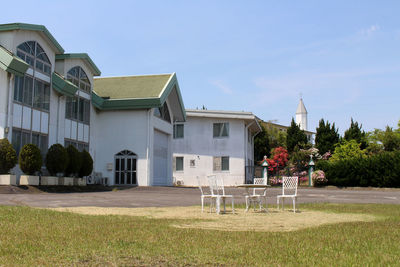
(348,150)
(261,144)
(388,140)
(56,159)
(8,156)
(355,133)
(87,164)
(277,138)
(295,137)
(30,159)
(326,137)
(75,161)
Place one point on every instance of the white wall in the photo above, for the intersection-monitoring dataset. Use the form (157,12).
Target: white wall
(198,144)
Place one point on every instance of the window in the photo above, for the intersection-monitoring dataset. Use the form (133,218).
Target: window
(78,108)
(178,164)
(33,54)
(221,164)
(32,92)
(220,129)
(77,76)
(22,137)
(163,113)
(178,131)
(78,145)
(192,163)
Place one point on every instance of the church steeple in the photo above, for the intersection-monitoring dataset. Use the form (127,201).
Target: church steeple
(301,115)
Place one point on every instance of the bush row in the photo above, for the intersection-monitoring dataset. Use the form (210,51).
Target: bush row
(381,170)
(59,160)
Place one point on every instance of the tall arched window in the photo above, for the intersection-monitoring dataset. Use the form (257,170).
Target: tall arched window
(34,55)
(78,77)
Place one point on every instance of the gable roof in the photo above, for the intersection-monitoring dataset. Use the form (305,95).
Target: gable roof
(85,57)
(137,92)
(33,27)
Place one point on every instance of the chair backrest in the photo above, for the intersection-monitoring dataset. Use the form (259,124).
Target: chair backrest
(289,185)
(216,185)
(258,181)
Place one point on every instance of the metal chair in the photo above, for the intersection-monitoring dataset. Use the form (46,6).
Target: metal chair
(218,191)
(205,196)
(256,198)
(289,190)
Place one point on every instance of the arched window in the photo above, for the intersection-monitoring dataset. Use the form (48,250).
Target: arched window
(78,77)
(33,54)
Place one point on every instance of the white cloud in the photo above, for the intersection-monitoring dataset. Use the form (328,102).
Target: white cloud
(222,86)
(369,31)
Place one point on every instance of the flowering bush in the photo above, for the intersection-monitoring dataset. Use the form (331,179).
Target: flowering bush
(327,155)
(275,181)
(280,155)
(318,178)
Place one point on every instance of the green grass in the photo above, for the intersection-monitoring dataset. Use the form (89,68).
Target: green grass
(42,237)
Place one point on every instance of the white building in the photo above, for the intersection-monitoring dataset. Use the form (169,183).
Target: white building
(48,97)
(214,142)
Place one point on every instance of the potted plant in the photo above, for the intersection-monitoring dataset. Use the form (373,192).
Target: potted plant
(8,159)
(56,163)
(86,167)
(30,162)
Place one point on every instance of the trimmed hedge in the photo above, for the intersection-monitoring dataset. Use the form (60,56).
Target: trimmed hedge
(56,159)
(381,170)
(8,156)
(87,164)
(75,161)
(30,159)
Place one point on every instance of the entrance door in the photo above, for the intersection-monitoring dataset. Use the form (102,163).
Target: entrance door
(160,163)
(125,168)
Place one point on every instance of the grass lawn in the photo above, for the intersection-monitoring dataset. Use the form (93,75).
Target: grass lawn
(31,236)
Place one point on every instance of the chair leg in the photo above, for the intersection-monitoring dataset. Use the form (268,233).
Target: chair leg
(224,205)
(202,204)
(247,203)
(294,205)
(218,204)
(233,206)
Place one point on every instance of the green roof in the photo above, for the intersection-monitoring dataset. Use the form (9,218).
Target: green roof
(83,56)
(33,27)
(128,87)
(10,63)
(62,85)
(136,92)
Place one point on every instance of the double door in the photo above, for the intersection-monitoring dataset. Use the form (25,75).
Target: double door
(125,170)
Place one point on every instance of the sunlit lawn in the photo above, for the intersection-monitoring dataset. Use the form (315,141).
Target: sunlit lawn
(43,237)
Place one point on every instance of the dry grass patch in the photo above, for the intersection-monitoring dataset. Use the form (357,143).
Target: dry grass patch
(274,221)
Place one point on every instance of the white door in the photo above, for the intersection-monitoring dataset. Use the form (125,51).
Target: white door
(160,162)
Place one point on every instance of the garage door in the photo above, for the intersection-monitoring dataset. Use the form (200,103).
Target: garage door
(160,163)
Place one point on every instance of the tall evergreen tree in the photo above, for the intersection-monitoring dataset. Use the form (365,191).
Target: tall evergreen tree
(355,133)
(295,136)
(261,144)
(326,137)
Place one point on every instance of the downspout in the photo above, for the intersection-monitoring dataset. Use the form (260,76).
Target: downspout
(9,106)
(58,119)
(148,147)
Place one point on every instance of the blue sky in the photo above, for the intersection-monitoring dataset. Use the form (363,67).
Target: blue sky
(258,56)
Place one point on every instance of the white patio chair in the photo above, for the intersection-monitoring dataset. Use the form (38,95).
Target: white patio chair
(289,190)
(217,190)
(256,197)
(204,196)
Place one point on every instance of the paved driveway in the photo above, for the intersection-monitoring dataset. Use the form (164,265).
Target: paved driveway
(172,196)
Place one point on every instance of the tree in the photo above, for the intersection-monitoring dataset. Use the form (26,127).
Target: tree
(8,156)
(75,161)
(87,164)
(355,133)
(280,156)
(56,159)
(326,137)
(348,150)
(295,136)
(388,140)
(30,159)
(261,144)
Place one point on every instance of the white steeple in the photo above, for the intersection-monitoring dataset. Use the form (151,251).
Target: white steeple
(301,115)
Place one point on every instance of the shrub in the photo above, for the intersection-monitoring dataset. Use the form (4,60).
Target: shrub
(56,159)
(30,159)
(87,164)
(381,170)
(8,156)
(75,161)
(318,178)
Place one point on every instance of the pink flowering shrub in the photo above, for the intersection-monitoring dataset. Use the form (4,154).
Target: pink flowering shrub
(319,178)
(275,181)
